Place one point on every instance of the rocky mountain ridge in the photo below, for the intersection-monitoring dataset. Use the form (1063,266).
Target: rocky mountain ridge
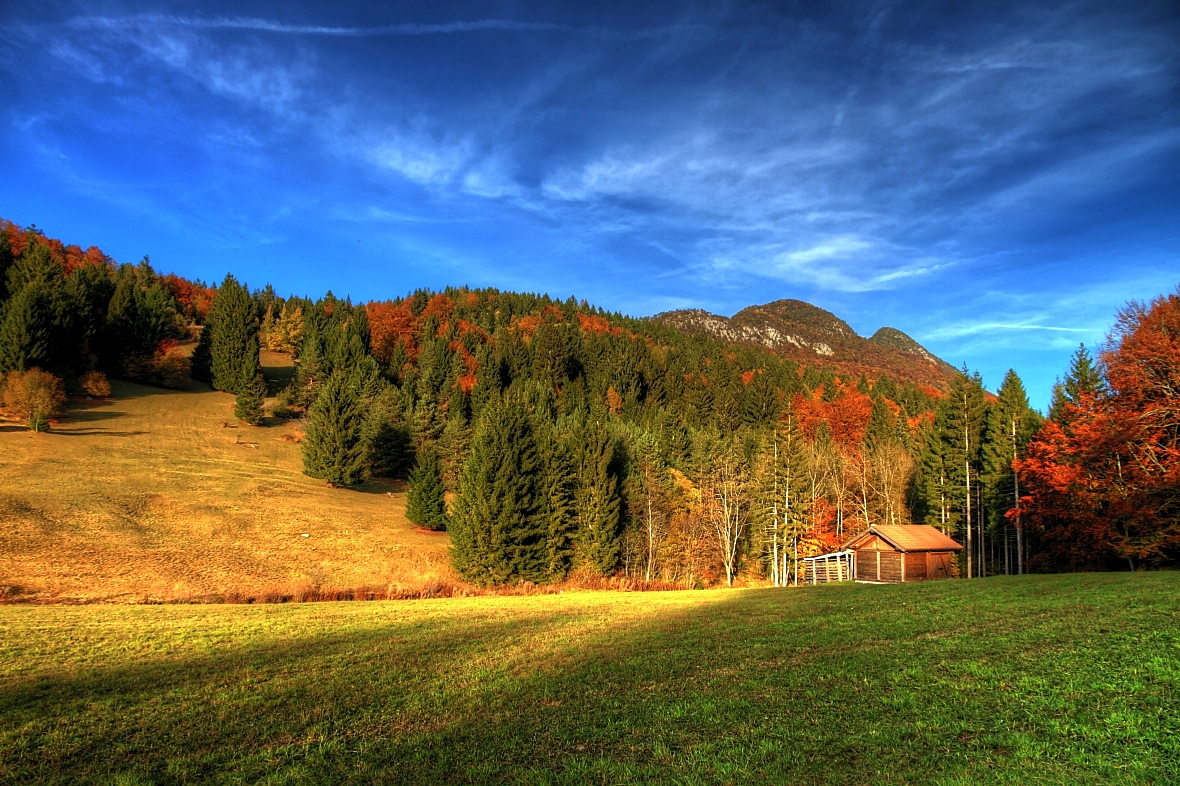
(810,334)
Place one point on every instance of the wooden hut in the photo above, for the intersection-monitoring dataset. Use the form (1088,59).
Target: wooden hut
(897,553)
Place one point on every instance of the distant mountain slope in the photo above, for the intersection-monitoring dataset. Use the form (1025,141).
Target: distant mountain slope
(810,334)
(892,337)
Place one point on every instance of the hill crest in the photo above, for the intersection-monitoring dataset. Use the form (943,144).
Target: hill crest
(810,334)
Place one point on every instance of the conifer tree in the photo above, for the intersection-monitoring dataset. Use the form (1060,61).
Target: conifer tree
(961,437)
(122,316)
(201,361)
(333,446)
(882,427)
(249,400)
(26,334)
(6,259)
(598,497)
(560,516)
(498,527)
(426,500)
(234,348)
(1011,425)
(1084,378)
(783,503)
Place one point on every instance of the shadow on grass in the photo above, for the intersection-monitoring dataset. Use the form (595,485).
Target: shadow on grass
(89,415)
(948,682)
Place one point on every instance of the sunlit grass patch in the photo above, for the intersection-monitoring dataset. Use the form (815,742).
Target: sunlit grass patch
(1065,679)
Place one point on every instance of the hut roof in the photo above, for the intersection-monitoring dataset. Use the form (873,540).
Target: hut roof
(908,537)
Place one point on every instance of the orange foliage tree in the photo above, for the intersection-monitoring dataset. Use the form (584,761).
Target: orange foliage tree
(1103,485)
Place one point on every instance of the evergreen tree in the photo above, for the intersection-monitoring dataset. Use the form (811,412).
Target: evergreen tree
(90,290)
(234,347)
(783,504)
(201,361)
(452,447)
(426,500)
(961,437)
(882,427)
(6,260)
(391,453)
(560,516)
(333,446)
(598,497)
(1084,378)
(310,372)
(42,333)
(249,400)
(26,335)
(498,528)
(1011,425)
(760,404)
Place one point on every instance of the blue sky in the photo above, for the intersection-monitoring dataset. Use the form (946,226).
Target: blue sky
(995,181)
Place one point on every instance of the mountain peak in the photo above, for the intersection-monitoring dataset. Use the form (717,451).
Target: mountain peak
(812,335)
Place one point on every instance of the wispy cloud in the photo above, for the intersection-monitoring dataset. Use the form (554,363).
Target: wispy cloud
(375,31)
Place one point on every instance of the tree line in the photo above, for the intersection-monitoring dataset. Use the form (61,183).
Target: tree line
(550,436)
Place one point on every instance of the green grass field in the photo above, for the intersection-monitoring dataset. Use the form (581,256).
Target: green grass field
(1060,679)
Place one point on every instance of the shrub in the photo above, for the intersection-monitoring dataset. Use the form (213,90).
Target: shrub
(95,383)
(167,367)
(35,396)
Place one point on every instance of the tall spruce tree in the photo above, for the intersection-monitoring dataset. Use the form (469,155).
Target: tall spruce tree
(560,516)
(26,335)
(6,259)
(599,535)
(961,436)
(1084,378)
(782,499)
(426,501)
(249,400)
(498,527)
(234,345)
(333,445)
(1011,425)
(201,361)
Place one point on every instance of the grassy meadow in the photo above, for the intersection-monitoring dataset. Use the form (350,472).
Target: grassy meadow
(1043,679)
(148,496)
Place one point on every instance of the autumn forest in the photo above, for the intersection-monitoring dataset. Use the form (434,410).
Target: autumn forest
(551,439)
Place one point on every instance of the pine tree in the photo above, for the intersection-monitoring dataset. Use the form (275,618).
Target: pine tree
(882,426)
(26,335)
(234,348)
(782,504)
(333,446)
(426,500)
(962,437)
(1084,378)
(248,404)
(598,497)
(123,318)
(560,516)
(42,332)
(391,453)
(201,361)
(1011,425)
(6,260)
(498,528)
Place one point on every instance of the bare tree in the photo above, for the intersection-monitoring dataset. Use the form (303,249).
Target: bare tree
(891,467)
(729,509)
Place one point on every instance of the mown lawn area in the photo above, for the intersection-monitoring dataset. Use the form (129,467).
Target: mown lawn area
(1059,679)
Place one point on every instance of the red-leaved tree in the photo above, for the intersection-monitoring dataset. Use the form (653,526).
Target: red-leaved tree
(1103,483)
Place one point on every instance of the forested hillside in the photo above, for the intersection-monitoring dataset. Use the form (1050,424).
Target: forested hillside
(551,437)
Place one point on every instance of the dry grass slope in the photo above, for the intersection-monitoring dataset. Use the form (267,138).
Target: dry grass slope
(148,497)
